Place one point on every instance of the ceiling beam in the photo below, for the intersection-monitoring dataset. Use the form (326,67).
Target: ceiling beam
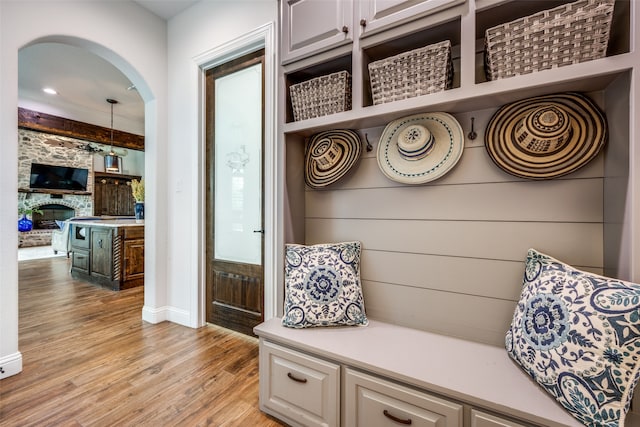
(55,125)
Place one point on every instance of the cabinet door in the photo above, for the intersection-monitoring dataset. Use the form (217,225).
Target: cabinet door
(373,402)
(313,26)
(110,198)
(105,199)
(101,252)
(80,260)
(125,201)
(299,388)
(99,189)
(133,259)
(382,14)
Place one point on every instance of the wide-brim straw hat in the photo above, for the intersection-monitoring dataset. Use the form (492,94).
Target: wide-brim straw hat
(330,155)
(546,136)
(420,148)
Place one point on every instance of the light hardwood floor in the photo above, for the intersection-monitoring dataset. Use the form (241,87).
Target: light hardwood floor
(90,360)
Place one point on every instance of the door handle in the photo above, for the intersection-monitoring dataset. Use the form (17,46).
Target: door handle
(258,231)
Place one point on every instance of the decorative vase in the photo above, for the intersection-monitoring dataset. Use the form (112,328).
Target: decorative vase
(25,224)
(139,210)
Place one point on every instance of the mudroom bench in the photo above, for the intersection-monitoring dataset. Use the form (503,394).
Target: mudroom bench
(383,374)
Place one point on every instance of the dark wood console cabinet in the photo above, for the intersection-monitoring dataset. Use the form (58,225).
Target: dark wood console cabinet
(108,252)
(112,194)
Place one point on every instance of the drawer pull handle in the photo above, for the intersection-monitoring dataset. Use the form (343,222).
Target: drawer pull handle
(396,419)
(296,379)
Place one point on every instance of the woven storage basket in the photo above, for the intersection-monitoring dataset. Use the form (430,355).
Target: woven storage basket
(565,35)
(321,96)
(418,72)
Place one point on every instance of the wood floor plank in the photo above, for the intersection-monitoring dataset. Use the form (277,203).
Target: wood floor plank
(90,360)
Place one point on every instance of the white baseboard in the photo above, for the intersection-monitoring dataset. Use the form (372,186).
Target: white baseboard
(164,314)
(154,315)
(10,365)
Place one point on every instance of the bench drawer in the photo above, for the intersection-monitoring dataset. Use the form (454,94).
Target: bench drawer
(481,419)
(374,402)
(301,389)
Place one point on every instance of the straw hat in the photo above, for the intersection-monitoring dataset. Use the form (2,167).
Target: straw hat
(329,156)
(546,136)
(420,148)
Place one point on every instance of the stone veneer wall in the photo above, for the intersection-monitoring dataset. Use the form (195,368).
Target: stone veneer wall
(38,147)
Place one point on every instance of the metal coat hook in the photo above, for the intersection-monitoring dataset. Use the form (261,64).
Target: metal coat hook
(369,146)
(472,135)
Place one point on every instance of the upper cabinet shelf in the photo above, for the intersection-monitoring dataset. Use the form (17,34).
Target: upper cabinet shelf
(375,30)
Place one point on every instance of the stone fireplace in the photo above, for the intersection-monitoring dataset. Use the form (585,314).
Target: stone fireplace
(38,147)
(51,213)
(68,206)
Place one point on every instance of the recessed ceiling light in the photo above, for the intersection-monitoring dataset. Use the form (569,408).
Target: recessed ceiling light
(50,91)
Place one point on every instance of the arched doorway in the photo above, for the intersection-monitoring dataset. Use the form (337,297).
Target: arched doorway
(10,357)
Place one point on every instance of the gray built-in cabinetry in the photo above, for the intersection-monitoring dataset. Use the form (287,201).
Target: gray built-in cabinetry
(386,375)
(447,257)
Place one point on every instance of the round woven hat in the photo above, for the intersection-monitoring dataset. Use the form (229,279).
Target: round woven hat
(420,148)
(546,136)
(329,156)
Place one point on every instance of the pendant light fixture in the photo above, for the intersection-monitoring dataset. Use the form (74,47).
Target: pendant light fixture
(112,161)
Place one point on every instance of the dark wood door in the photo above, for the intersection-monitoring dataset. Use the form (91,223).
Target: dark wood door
(235,278)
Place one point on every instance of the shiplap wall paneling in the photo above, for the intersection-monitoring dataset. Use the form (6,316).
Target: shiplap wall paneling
(557,200)
(471,276)
(448,256)
(463,316)
(468,239)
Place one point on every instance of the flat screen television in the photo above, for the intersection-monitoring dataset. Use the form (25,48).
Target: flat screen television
(58,177)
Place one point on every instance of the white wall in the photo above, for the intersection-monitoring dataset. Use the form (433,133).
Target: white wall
(205,26)
(168,79)
(132,39)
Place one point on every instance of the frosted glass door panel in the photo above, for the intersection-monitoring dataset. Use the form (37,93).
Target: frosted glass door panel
(238,166)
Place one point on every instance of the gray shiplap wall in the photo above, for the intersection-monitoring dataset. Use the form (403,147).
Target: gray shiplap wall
(448,256)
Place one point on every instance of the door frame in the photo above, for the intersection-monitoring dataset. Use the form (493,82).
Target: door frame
(262,37)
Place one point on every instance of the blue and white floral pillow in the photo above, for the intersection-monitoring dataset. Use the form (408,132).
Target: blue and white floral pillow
(322,285)
(578,335)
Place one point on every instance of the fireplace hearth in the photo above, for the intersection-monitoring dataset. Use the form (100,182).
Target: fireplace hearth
(50,214)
